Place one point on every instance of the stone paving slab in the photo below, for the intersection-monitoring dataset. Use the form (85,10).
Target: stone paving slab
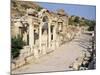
(58,60)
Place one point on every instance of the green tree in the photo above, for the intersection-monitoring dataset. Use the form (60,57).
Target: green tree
(39,8)
(92,25)
(77,19)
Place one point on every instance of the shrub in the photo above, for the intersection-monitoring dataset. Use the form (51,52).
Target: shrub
(39,8)
(92,26)
(16,45)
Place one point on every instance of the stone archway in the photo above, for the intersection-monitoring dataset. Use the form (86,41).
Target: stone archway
(44,34)
(44,31)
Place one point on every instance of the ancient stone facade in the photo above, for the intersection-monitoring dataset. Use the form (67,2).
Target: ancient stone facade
(42,31)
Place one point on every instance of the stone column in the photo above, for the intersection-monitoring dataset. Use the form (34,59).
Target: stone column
(67,20)
(54,36)
(40,33)
(31,39)
(31,33)
(49,34)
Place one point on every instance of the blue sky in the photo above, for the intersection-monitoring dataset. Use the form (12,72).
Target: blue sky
(86,11)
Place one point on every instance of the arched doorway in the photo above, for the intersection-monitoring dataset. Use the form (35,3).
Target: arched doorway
(44,44)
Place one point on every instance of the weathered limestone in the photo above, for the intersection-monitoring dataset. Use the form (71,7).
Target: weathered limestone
(79,31)
(42,41)
(54,35)
(13,66)
(31,33)
(29,59)
(22,52)
(40,34)
(58,41)
(88,54)
(76,66)
(25,37)
(36,54)
(86,59)
(19,62)
(16,29)
(49,33)
(30,12)
(85,62)
(80,60)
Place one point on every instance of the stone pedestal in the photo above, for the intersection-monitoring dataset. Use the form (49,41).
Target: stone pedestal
(36,55)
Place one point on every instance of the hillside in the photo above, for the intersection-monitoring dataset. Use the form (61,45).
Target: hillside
(18,8)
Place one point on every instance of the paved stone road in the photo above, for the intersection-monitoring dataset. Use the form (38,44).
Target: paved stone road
(60,59)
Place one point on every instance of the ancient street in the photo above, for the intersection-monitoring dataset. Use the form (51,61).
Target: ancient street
(59,59)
